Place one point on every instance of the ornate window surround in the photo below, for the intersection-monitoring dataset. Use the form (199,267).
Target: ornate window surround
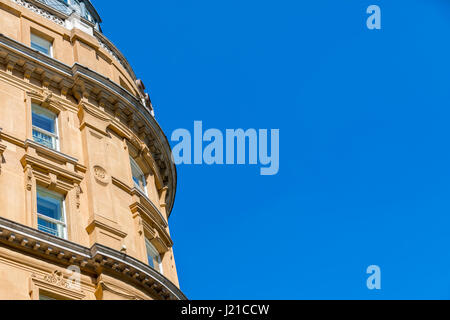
(44,98)
(142,156)
(54,284)
(55,172)
(149,228)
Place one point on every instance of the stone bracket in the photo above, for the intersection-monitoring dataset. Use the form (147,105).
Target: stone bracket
(2,150)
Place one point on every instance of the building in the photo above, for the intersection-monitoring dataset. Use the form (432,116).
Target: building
(87,184)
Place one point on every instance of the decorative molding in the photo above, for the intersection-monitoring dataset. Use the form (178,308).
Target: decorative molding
(28,177)
(163,196)
(68,24)
(93,85)
(94,260)
(111,52)
(55,283)
(49,174)
(42,12)
(103,286)
(53,154)
(57,279)
(11,139)
(147,226)
(106,44)
(101,175)
(96,223)
(46,98)
(122,185)
(78,193)
(142,155)
(91,118)
(141,200)
(149,206)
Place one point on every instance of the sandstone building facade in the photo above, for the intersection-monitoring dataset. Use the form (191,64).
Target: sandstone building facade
(87,184)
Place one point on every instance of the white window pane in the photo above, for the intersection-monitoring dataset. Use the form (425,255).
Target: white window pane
(151,263)
(138,176)
(50,228)
(49,205)
(137,182)
(44,139)
(50,209)
(153,257)
(44,127)
(44,119)
(40,44)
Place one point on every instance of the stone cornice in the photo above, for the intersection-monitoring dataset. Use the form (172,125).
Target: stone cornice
(113,51)
(84,83)
(96,260)
(60,18)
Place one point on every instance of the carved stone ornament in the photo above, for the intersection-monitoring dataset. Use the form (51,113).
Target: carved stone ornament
(45,98)
(2,149)
(101,175)
(39,11)
(57,279)
(29,178)
(78,191)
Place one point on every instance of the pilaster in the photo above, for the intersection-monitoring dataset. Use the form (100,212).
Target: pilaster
(103,226)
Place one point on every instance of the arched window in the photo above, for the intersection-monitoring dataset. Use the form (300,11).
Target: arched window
(138,177)
(153,257)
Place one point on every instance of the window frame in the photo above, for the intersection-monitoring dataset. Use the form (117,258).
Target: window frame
(62,223)
(39,37)
(134,166)
(43,296)
(55,136)
(149,245)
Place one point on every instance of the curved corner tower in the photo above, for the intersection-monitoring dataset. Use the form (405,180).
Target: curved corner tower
(86,179)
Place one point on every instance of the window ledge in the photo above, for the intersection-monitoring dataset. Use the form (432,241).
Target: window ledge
(57,155)
(150,205)
(143,199)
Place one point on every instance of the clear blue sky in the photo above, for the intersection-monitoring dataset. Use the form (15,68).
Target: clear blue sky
(365,157)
